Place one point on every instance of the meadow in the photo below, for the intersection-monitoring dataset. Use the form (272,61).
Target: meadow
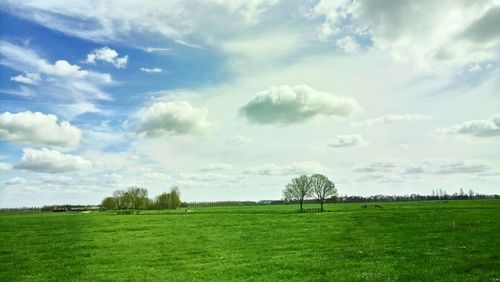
(405,241)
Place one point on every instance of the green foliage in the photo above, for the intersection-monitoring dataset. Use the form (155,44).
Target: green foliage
(136,198)
(109,203)
(408,241)
(169,200)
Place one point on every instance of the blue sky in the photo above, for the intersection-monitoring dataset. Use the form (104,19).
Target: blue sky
(231,99)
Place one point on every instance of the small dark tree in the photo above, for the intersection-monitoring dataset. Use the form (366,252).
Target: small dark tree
(175,197)
(298,189)
(162,201)
(322,188)
(169,200)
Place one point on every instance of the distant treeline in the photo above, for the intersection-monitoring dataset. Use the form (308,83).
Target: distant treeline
(164,201)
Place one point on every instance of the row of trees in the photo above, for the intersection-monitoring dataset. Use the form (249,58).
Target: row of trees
(315,186)
(136,198)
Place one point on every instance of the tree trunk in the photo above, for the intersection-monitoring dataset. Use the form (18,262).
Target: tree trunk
(301,201)
(321,205)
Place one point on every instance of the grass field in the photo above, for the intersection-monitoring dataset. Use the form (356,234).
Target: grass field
(411,241)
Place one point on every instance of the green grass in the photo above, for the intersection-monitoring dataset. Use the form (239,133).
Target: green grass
(413,241)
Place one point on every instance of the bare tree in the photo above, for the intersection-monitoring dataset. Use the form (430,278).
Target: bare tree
(322,188)
(298,189)
(119,196)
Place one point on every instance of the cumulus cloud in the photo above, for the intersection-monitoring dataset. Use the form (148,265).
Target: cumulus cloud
(434,35)
(294,104)
(395,118)
(15,181)
(218,166)
(347,141)
(50,161)
(108,55)
(239,140)
(38,128)
(152,70)
(27,78)
(176,118)
(291,169)
(479,128)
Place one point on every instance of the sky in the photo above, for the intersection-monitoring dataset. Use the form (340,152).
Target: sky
(229,100)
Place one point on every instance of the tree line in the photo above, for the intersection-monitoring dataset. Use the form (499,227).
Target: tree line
(316,186)
(136,198)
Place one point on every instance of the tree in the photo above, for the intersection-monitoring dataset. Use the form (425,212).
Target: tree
(162,201)
(298,189)
(119,196)
(169,200)
(138,197)
(322,188)
(175,197)
(109,203)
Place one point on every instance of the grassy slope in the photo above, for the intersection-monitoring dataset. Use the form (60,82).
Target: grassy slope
(417,241)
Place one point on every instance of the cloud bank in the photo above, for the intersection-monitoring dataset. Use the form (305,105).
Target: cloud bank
(295,104)
(38,128)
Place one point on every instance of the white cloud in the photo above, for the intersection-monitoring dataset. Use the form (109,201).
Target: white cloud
(156,49)
(51,161)
(64,83)
(202,177)
(398,168)
(175,118)
(218,166)
(347,141)
(152,175)
(56,179)
(27,78)
(348,45)
(263,48)
(250,10)
(395,118)
(117,20)
(433,35)
(151,70)
(461,167)
(294,104)
(403,146)
(239,140)
(38,128)
(15,181)
(379,166)
(291,169)
(479,128)
(64,69)
(108,55)
(5,166)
